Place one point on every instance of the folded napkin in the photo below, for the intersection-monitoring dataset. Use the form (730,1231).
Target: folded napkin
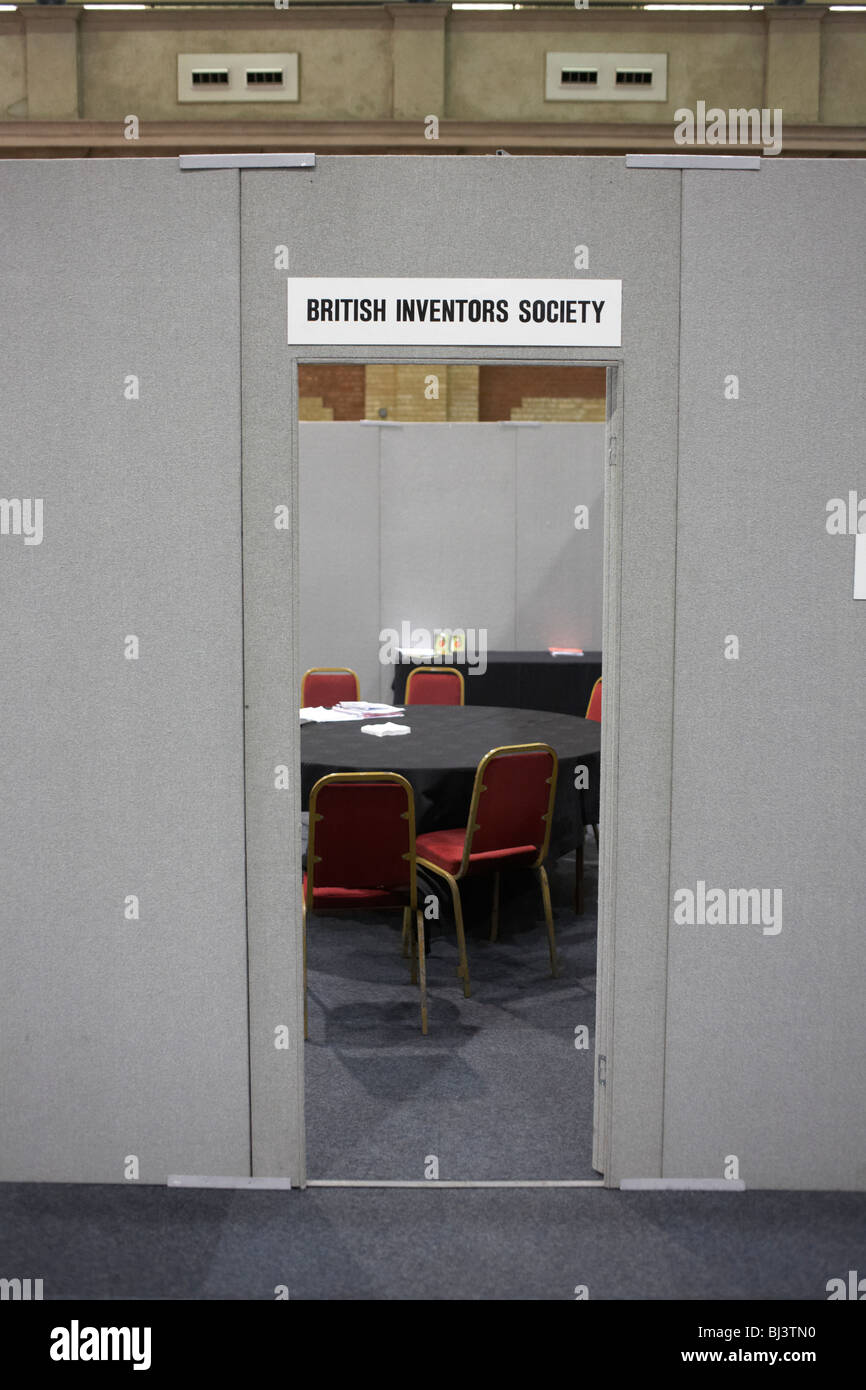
(381,730)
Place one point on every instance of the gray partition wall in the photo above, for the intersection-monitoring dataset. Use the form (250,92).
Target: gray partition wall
(735,417)
(766,1034)
(123,1012)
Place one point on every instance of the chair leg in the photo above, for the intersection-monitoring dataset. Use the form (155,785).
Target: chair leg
(407,932)
(306,1019)
(578,879)
(461,935)
(413,952)
(548,915)
(494,919)
(422,969)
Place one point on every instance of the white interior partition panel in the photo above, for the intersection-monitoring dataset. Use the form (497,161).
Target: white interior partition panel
(448,520)
(339,548)
(559,564)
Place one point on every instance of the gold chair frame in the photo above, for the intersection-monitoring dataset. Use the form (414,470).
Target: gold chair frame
(419,960)
(578,858)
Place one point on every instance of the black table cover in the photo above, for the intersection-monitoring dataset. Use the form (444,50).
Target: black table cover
(521,680)
(440,755)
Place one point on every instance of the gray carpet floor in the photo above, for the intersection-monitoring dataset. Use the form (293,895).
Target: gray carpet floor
(497,1089)
(118,1242)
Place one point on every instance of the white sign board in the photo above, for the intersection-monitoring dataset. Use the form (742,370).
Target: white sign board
(445,313)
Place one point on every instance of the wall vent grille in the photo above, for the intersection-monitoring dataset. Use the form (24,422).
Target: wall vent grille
(237,77)
(203,77)
(636,76)
(606,77)
(265,77)
(579,75)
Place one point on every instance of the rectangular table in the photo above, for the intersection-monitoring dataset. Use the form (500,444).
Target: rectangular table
(520,680)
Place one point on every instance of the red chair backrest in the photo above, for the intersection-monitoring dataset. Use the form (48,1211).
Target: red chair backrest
(431,687)
(324,687)
(362,833)
(514,792)
(593,709)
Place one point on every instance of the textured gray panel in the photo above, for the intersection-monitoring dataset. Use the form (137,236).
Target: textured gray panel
(448,522)
(473,216)
(559,569)
(339,536)
(765,1033)
(272,677)
(122,777)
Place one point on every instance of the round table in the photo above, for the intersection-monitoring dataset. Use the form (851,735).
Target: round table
(440,755)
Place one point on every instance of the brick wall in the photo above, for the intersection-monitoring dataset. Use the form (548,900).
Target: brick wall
(408,391)
(504,390)
(428,393)
(331,392)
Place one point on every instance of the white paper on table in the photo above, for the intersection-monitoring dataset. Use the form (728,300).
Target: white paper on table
(860,566)
(319,714)
(366,709)
(383,730)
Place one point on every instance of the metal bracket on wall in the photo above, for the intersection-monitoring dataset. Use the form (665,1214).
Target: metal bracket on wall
(693,161)
(247,161)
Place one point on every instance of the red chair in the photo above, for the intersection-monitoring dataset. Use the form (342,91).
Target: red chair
(593,712)
(509,826)
(361,856)
(328,685)
(435,685)
(593,709)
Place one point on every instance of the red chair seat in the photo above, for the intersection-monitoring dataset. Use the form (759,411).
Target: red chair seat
(593,709)
(326,899)
(445,849)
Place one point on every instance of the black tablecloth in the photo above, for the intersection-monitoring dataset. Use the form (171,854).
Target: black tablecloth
(521,680)
(440,755)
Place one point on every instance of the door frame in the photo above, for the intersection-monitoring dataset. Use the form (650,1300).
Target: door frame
(602,1053)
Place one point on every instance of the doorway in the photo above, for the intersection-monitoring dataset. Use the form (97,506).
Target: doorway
(476,497)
